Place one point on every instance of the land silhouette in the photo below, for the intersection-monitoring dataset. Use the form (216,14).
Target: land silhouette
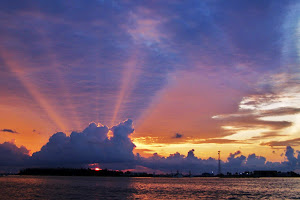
(117,173)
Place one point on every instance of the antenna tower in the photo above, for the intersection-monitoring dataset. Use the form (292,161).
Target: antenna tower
(219,162)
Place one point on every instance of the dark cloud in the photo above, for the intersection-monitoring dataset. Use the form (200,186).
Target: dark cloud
(13,156)
(177,161)
(250,122)
(292,142)
(290,155)
(245,119)
(178,135)
(239,162)
(280,111)
(92,145)
(254,161)
(236,162)
(222,141)
(8,130)
(269,134)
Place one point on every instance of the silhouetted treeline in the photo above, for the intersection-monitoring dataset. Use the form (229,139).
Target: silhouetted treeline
(106,172)
(69,172)
(78,172)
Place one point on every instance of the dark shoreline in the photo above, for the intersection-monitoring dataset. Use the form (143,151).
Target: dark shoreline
(163,176)
(112,173)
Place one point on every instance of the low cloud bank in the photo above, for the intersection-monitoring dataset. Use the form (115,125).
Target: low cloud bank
(93,145)
(236,162)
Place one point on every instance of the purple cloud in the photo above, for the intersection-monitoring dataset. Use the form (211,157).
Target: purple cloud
(8,130)
(13,157)
(92,145)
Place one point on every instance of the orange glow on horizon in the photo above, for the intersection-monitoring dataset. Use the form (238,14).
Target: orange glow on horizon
(145,147)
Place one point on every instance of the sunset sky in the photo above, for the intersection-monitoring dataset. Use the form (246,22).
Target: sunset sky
(203,75)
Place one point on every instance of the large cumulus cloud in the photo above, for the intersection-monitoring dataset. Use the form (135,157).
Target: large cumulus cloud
(292,160)
(92,145)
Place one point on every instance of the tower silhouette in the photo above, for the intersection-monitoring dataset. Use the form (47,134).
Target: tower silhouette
(219,163)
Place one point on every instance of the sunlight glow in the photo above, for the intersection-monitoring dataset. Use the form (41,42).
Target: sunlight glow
(31,88)
(129,78)
(54,65)
(245,134)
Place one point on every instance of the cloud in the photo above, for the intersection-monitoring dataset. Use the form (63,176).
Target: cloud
(232,155)
(268,134)
(249,121)
(290,155)
(247,112)
(177,161)
(268,118)
(8,130)
(13,156)
(199,98)
(236,162)
(291,142)
(177,135)
(92,145)
(255,161)
(280,111)
(68,37)
(221,141)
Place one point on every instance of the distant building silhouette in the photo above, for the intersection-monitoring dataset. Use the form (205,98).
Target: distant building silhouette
(265,173)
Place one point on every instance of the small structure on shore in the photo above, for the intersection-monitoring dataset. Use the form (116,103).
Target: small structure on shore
(219,163)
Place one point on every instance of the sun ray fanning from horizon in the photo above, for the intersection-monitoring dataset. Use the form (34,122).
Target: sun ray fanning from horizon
(65,91)
(33,91)
(130,73)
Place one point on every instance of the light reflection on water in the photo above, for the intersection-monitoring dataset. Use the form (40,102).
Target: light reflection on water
(46,187)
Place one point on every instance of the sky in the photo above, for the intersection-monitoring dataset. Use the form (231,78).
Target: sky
(150,84)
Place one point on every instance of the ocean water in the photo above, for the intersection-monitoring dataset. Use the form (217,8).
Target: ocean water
(58,187)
